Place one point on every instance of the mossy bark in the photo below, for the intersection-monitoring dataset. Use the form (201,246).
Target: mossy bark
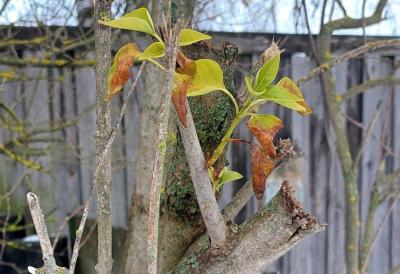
(181,222)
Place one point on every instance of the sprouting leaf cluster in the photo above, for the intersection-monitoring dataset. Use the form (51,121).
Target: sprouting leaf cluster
(199,77)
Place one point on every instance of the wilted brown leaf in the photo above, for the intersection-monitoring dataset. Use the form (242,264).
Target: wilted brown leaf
(291,86)
(119,72)
(180,86)
(264,127)
(262,166)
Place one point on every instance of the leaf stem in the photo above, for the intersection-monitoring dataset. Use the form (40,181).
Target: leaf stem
(239,115)
(156,64)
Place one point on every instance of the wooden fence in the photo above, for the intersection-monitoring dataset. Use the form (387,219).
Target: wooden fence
(49,95)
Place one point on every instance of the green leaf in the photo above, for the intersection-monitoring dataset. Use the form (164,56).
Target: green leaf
(137,20)
(141,13)
(284,98)
(226,176)
(154,50)
(249,85)
(292,87)
(189,36)
(267,73)
(208,77)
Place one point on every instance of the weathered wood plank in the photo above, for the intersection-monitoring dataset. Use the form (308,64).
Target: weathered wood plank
(377,67)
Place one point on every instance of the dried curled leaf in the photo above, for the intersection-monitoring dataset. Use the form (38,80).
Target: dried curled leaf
(262,166)
(119,72)
(264,127)
(291,86)
(180,87)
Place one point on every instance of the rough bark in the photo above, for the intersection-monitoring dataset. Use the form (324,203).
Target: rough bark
(173,232)
(102,134)
(272,232)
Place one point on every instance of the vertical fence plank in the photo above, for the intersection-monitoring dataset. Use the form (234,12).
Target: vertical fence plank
(395,221)
(86,91)
(377,67)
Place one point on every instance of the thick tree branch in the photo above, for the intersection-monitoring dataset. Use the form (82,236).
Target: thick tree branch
(269,234)
(212,217)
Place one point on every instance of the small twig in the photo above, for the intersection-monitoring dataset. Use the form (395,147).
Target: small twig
(386,81)
(4,228)
(373,45)
(64,224)
(367,135)
(100,166)
(238,202)
(380,227)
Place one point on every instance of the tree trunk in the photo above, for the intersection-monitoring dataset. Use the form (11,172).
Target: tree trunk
(102,134)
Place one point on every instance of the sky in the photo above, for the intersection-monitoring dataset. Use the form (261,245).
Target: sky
(271,16)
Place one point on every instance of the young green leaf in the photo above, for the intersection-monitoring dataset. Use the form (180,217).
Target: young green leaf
(249,85)
(267,73)
(141,13)
(226,176)
(154,50)
(291,86)
(283,97)
(189,36)
(208,77)
(137,20)
(119,72)
(264,127)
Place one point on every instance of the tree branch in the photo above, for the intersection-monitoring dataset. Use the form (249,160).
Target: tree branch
(241,198)
(387,81)
(272,232)
(373,45)
(50,265)
(212,217)
(160,151)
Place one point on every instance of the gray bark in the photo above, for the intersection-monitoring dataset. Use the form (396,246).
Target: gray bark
(102,134)
(272,232)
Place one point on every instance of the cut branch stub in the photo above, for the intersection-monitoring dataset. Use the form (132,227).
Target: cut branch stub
(265,237)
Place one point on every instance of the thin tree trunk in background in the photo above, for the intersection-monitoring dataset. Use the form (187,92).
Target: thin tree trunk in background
(102,134)
(134,260)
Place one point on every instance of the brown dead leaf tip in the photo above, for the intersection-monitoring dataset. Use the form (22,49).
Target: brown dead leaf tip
(271,51)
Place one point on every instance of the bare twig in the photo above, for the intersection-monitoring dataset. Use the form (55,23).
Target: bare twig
(373,45)
(50,265)
(238,202)
(386,81)
(100,165)
(379,229)
(367,135)
(160,150)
